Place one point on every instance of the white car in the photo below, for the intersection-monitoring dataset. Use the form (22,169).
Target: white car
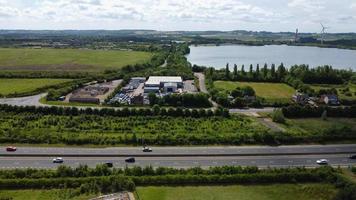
(322,162)
(58,160)
(147,149)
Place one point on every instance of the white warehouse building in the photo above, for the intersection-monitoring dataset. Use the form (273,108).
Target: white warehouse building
(166,83)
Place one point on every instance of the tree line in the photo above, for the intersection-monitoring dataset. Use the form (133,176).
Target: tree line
(124,112)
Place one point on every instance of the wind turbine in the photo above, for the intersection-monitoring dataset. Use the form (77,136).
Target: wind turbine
(323,32)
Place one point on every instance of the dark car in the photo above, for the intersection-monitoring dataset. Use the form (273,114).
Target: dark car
(352,157)
(109,164)
(130,160)
(11,148)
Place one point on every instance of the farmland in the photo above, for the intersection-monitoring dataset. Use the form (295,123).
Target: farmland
(25,86)
(269,91)
(250,192)
(110,130)
(71,60)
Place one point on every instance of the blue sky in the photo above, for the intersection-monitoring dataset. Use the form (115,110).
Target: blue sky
(269,15)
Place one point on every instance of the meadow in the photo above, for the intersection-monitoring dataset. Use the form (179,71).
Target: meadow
(268,91)
(240,192)
(25,86)
(72,60)
(54,194)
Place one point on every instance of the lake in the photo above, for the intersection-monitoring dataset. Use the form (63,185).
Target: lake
(218,56)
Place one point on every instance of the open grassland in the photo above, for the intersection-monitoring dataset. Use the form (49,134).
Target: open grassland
(23,86)
(78,60)
(351,94)
(269,91)
(41,195)
(317,125)
(240,192)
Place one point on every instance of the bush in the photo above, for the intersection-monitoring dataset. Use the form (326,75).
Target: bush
(278,116)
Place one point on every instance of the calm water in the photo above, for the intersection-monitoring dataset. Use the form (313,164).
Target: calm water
(218,56)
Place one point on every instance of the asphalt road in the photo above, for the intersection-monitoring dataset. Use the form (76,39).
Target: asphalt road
(180,162)
(183,151)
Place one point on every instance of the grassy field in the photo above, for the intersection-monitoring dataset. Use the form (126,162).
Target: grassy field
(317,125)
(251,192)
(40,195)
(269,91)
(11,86)
(339,88)
(68,59)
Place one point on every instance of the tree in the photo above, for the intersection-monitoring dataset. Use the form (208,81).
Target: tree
(251,71)
(257,71)
(243,73)
(227,72)
(265,71)
(235,72)
(273,71)
(152,97)
(248,91)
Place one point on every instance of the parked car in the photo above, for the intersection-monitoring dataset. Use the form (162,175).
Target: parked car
(352,157)
(322,162)
(11,148)
(58,160)
(109,164)
(147,149)
(130,160)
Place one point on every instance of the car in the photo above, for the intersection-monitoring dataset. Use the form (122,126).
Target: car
(130,160)
(322,162)
(109,164)
(147,149)
(58,160)
(11,148)
(352,157)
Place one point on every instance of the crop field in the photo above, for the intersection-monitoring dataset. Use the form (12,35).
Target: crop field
(41,195)
(269,91)
(76,60)
(108,130)
(20,86)
(240,192)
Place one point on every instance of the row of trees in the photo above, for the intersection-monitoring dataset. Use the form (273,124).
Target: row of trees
(199,100)
(124,112)
(297,111)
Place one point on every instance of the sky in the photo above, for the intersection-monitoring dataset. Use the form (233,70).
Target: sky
(188,15)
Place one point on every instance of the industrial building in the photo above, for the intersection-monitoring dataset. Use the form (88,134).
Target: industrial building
(168,84)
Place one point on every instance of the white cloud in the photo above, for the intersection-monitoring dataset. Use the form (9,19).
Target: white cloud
(277,15)
(307,5)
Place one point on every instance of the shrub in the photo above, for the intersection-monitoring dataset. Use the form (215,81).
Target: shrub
(278,116)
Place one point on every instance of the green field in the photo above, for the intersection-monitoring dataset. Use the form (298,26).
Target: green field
(269,91)
(239,192)
(312,126)
(20,86)
(79,60)
(40,195)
